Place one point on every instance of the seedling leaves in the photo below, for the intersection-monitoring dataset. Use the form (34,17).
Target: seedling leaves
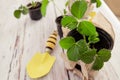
(76,50)
(73,53)
(98,64)
(24,10)
(17,14)
(104,54)
(98,2)
(86,28)
(67,42)
(44,7)
(93,39)
(79,8)
(69,21)
(88,56)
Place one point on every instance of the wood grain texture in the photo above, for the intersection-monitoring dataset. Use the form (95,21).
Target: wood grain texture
(21,39)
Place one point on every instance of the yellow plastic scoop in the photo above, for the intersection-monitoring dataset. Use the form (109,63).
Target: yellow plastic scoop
(40,64)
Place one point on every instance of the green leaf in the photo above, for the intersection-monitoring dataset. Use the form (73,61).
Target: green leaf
(86,28)
(82,46)
(67,42)
(93,39)
(73,53)
(17,14)
(72,26)
(44,7)
(66,4)
(76,50)
(79,8)
(88,56)
(20,7)
(98,64)
(98,3)
(104,54)
(65,11)
(25,10)
(93,1)
(69,21)
(34,4)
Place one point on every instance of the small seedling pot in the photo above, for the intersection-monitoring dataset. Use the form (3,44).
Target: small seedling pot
(59,27)
(35,12)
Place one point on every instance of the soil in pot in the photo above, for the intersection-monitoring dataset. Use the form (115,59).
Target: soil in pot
(35,12)
(59,27)
(106,40)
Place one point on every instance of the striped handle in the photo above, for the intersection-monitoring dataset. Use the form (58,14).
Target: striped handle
(51,42)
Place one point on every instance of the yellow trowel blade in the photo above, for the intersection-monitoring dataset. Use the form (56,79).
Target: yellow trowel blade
(40,65)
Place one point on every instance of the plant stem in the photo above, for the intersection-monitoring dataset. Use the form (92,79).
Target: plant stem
(84,37)
(89,43)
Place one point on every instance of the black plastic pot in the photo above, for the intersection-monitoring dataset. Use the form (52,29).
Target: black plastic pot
(59,27)
(106,40)
(35,12)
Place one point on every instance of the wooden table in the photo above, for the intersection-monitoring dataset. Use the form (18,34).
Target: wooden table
(21,39)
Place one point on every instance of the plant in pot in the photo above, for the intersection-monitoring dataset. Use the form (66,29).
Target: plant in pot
(35,9)
(86,44)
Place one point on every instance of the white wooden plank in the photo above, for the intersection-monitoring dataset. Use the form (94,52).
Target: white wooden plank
(59,6)
(115,61)
(36,35)
(30,38)
(107,73)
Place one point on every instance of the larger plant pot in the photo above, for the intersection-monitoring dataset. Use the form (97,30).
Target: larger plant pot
(106,35)
(81,69)
(106,41)
(35,12)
